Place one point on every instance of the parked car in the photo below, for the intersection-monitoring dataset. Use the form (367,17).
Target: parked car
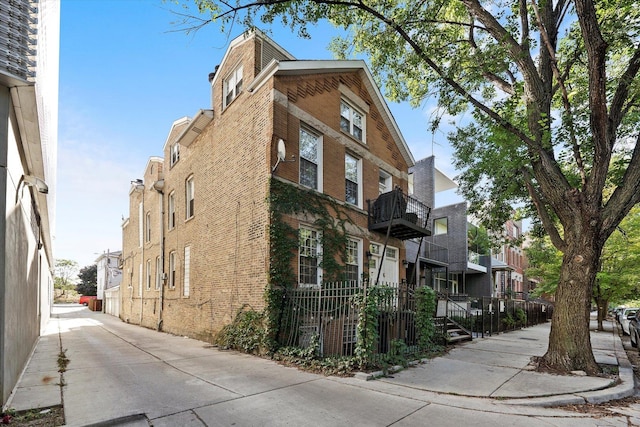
(634,329)
(616,313)
(624,318)
(84,299)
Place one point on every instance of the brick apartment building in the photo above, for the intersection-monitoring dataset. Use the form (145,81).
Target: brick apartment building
(510,281)
(204,238)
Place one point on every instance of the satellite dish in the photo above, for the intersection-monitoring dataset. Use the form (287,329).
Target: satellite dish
(282,151)
(282,154)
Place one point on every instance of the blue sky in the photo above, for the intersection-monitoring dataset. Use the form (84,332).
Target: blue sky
(125,75)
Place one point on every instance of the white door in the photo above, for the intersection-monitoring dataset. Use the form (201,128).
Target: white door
(389,273)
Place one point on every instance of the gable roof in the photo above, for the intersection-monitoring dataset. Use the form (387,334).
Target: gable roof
(306,67)
(177,127)
(303,67)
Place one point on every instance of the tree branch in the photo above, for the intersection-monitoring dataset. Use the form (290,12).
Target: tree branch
(603,134)
(495,79)
(541,208)
(565,94)
(625,196)
(616,112)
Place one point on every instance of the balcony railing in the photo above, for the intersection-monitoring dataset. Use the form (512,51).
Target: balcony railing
(436,254)
(403,216)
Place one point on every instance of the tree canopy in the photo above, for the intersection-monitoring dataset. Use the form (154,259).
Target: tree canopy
(542,95)
(65,272)
(88,280)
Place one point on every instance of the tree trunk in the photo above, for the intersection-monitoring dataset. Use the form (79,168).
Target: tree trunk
(570,341)
(603,306)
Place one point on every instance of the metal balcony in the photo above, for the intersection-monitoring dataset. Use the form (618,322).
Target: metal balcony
(434,255)
(402,216)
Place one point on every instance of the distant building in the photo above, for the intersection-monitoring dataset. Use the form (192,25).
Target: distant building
(29,50)
(509,281)
(456,259)
(109,277)
(109,274)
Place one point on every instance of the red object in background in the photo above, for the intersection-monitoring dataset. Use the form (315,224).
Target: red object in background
(84,299)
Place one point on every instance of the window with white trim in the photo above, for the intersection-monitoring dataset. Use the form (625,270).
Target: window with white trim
(410,183)
(232,86)
(140,278)
(174,152)
(140,225)
(352,268)
(310,159)
(187,271)
(172,270)
(172,210)
(440,226)
(384,182)
(189,197)
(158,273)
(309,257)
(148,276)
(352,179)
(147,231)
(440,281)
(352,121)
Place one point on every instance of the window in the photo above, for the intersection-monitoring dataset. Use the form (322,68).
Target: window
(140,279)
(172,270)
(172,210)
(189,193)
(439,226)
(187,267)
(148,277)
(175,153)
(158,273)
(148,227)
(352,121)
(352,179)
(232,86)
(310,272)
(440,281)
(140,225)
(384,182)
(353,261)
(410,183)
(310,159)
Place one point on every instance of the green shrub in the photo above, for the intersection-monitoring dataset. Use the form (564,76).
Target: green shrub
(508,321)
(425,310)
(246,333)
(521,316)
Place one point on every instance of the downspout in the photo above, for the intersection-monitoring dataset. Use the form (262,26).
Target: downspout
(159,186)
(141,277)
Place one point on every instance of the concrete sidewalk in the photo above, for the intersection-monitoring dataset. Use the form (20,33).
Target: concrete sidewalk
(500,367)
(120,374)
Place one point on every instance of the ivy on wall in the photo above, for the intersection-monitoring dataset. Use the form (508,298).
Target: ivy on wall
(325,214)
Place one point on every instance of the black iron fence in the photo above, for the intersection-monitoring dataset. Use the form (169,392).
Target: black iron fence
(495,315)
(328,316)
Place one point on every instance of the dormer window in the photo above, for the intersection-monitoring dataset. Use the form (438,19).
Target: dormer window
(175,153)
(232,86)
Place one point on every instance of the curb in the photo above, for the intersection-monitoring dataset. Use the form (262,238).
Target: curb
(625,387)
